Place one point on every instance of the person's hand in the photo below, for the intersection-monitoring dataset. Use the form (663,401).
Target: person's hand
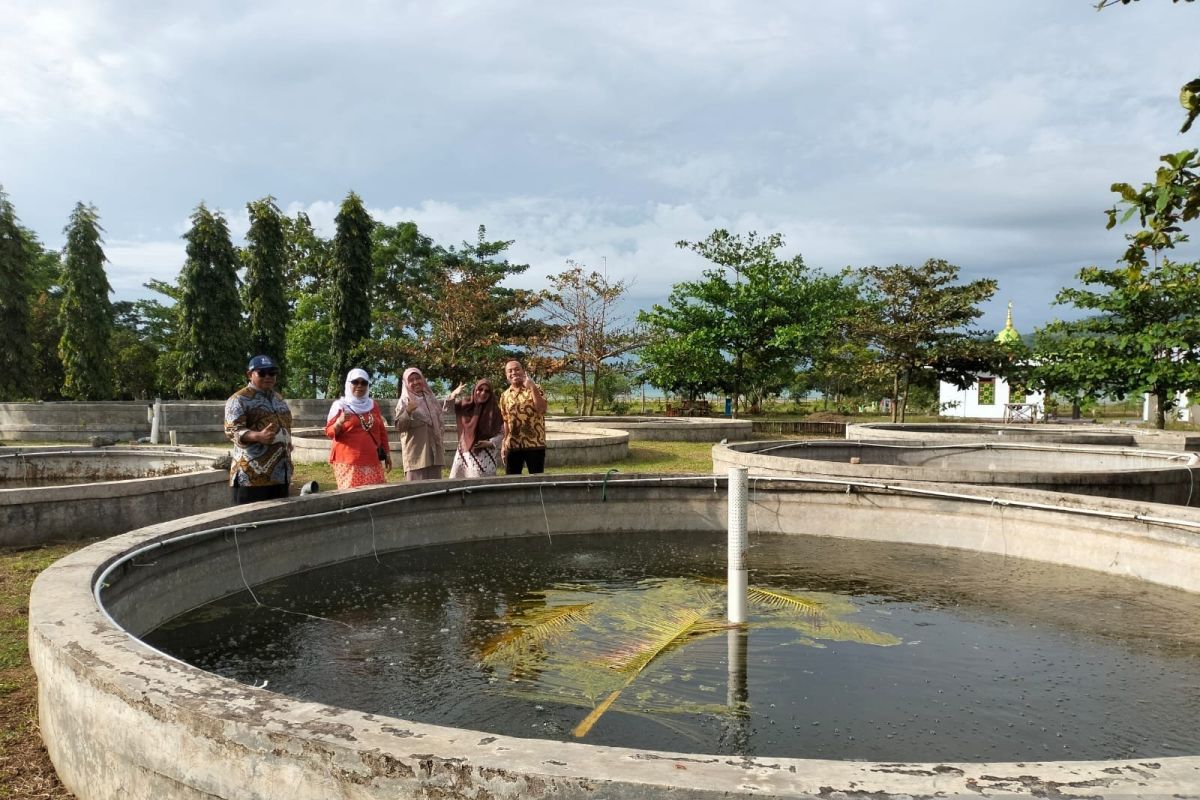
(458,390)
(388,461)
(267,434)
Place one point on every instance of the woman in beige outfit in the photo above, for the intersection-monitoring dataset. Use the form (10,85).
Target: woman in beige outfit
(419,421)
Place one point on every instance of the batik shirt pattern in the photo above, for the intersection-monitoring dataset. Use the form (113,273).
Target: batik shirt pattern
(524,425)
(256,464)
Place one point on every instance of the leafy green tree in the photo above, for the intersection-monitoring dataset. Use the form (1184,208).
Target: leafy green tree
(18,252)
(159,326)
(446,308)
(211,342)
(134,358)
(265,257)
(915,321)
(586,332)
(46,374)
(86,313)
(309,265)
(350,289)
(747,326)
(1144,336)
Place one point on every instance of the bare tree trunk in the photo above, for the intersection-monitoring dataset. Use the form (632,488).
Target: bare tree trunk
(904,403)
(895,397)
(1160,413)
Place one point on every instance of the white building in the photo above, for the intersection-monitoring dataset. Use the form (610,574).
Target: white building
(990,396)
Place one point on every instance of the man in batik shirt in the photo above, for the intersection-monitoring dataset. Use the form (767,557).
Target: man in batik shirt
(523,408)
(259,423)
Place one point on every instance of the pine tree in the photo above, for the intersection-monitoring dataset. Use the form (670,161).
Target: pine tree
(17,253)
(86,313)
(266,302)
(351,309)
(213,353)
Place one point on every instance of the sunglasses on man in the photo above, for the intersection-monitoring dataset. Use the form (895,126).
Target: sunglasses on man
(267,373)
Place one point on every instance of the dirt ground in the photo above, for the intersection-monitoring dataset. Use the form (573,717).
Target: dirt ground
(25,769)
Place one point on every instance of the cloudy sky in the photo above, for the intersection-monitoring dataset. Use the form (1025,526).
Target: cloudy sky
(870,132)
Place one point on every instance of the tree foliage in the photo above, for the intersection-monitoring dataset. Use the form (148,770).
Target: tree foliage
(446,309)
(86,312)
(585,330)
(211,345)
(747,325)
(1143,337)
(350,287)
(915,321)
(18,252)
(265,257)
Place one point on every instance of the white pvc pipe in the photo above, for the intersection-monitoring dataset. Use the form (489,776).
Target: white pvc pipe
(156,423)
(738,542)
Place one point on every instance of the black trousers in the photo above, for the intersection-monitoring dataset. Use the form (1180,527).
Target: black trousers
(534,458)
(252,494)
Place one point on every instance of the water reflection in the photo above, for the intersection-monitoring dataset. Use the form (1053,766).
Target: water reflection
(999,659)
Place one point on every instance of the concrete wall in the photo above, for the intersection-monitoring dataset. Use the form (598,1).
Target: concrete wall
(567,445)
(1132,474)
(121,720)
(196,422)
(670,429)
(1112,436)
(181,484)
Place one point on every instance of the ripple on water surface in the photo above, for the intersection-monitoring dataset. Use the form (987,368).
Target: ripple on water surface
(855,650)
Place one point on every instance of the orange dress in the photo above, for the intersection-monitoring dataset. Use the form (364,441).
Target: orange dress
(353,454)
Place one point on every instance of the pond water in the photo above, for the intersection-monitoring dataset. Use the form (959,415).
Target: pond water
(854,650)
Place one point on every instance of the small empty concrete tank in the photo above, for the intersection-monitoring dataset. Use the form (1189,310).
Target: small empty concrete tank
(61,493)
(1129,473)
(944,432)
(122,720)
(669,429)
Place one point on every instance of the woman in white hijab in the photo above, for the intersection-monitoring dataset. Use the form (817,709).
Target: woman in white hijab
(419,420)
(359,434)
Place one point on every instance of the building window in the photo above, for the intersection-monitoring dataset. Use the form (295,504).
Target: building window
(987,391)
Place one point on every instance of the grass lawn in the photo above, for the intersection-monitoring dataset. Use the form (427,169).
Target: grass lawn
(25,769)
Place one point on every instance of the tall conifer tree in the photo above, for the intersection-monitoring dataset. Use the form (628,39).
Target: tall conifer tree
(351,309)
(213,350)
(86,313)
(266,301)
(17,254)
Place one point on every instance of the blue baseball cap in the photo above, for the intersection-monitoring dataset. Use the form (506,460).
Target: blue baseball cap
(261,362)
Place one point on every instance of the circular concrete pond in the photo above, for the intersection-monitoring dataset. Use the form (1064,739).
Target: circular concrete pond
(1086,434)
(121,719)
(1129,473)
(669,429)
(59,493)
(567,444)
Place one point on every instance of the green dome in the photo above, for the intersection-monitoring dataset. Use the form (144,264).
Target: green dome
(1009,335)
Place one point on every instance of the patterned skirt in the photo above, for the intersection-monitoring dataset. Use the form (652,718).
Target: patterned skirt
(350,475)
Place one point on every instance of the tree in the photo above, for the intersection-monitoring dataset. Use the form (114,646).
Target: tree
(350,290)
(748,330)
(211,344)
(86,313)
(266,300)
(45,373)
(309,264)
(445,308)
(18,251)
(585,330)
(915,318)
(134,358)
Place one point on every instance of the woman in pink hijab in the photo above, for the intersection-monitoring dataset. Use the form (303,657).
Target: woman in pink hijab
(419,421)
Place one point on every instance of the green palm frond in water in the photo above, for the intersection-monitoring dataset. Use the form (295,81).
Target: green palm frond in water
(534,628)
(605,640)
(775,598)
(661,636)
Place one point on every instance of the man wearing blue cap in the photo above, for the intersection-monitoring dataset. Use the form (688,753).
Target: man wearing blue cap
(259,423)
